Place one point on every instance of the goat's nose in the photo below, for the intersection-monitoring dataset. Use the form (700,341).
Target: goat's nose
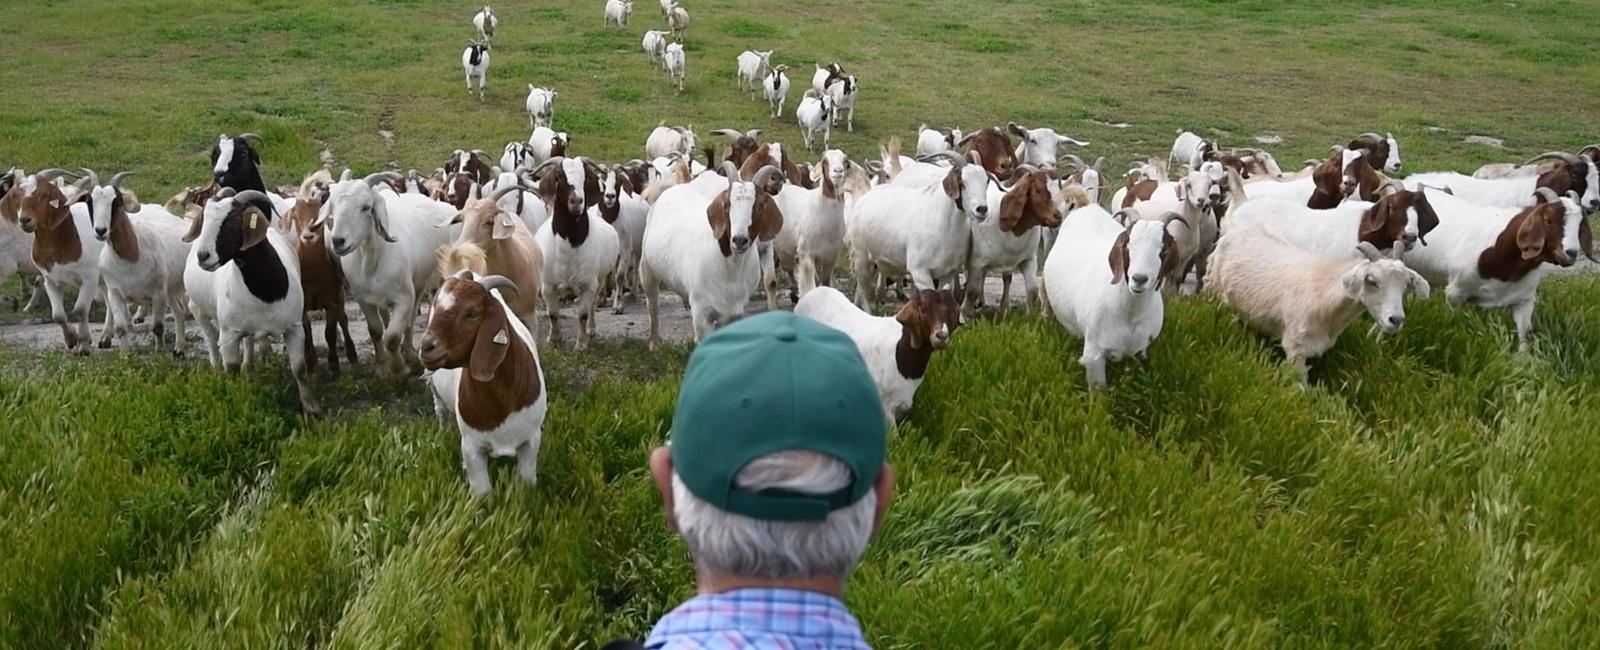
(203,256)
(1572,253)
(741,241)
(100,232)
(338,242)
(1397,321)
(983,209)
(1140,278)
(1410,237)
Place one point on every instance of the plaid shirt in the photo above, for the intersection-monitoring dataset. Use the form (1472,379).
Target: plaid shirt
(778,619)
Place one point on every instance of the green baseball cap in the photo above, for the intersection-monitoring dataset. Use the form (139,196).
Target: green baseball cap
(771,383)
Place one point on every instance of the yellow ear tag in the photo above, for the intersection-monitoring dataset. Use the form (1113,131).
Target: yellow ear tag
(253,217)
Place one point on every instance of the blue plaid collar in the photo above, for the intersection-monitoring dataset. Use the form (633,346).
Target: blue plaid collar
(790,619)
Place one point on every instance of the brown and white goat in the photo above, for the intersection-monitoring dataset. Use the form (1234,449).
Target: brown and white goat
(64,249)
(483,368)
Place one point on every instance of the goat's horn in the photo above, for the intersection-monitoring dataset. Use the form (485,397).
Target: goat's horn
(1099,163)
(500,282)
(728,169)
(504,191)
(94,179)
(1170,217)
(251,138)
(731,133)
(1076,161)
(1562,155)
(1549,195)
(372,180)
(54,173)
(116,181)
(1369,251)
(553,160)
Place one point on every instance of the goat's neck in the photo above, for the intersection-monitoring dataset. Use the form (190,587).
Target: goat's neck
(263,272)
(123,240)
(486,405)
(910,360)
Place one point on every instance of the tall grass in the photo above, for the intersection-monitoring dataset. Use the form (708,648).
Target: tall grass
(1432,488)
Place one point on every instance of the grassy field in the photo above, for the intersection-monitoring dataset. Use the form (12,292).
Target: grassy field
(1433,489)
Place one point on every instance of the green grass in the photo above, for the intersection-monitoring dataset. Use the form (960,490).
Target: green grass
(1432,489)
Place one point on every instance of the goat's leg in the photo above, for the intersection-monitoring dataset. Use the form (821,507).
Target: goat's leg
(296,350)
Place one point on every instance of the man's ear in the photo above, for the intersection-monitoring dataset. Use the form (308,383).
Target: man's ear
(661,471)
(884,489)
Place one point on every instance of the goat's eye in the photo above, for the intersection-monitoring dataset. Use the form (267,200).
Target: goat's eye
(473,314)
(1372,283)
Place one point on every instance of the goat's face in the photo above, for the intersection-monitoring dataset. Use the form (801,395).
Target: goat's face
(483,222)
(1380,286)
(610,187)
(741,215)
(231,154)
(1200,190)
(104,201)
(36,204)
(1391,162)
(357,212)
(835,164)
(1142,256)
(467,328)
(1090,179)
(1350,161)
(1268,164)
(230,226)
(929,318)
(1576,235)
(572,173)
(1401,218)
(968,186)
(301,217)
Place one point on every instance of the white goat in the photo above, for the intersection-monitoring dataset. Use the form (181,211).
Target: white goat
(776,87)
(475,63)
(895,348)
(1495,257)
(668,140)
(893,231)
(753,67)
(544,144)
(142,261)
(1306,299)
(618,11)
(703,249)
(1403,217)
(486,22)
(386,243)
(1039,147)
(524,202)
(678,21)
(808,247)
(518,157)
(932,141)
(843,92)
(815,113)
(1190,150)
(1103,283)
(655,44)
(541,105)
(1195,198)
(676,65)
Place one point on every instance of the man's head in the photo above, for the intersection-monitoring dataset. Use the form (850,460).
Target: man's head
(775,469)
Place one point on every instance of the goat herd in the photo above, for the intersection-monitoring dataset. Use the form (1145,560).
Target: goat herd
(1298,255)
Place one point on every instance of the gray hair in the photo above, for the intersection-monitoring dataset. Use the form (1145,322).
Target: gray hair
(742,546)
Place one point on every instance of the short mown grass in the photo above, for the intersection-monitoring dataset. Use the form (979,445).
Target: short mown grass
(1431,489)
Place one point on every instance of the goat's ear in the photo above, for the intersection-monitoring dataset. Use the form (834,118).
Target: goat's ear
(494,339)
(1119,258)
(130,201)
(1531,234)
(504,226)
(717,214)
(910,318)
(10,204)
(1428,219)
(1012,206)
(1351,280)
(1169,259)
(1375,218)
(255,227)
(767,219)
(380,220)
(591,190)
(952,186)
(1419,285)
